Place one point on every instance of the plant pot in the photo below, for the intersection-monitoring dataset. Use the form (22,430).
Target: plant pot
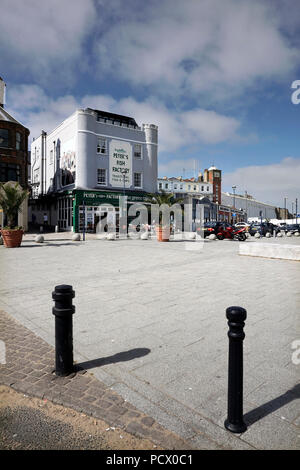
(163,234)
(12,238)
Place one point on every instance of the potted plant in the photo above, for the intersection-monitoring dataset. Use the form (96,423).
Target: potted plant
(12,195)
(163,230)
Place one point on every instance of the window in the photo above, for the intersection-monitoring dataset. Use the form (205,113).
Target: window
(195,188)
(4,138)
(18,141)
(166,186)
(9,172)
(51,157)
(101,146)
(138,150)
(202,188)
(207,188)
(181,186)
(160,185)
(101,174)
(189,187)
(175,186)
(137,180)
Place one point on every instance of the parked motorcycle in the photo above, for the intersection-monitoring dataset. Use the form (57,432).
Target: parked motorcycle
(232,233)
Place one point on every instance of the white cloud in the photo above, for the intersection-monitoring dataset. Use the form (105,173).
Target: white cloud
(268,183)
(45,39)
(193,47)
(37,111)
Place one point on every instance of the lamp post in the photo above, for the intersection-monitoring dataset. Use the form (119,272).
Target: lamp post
(233,189)
(285,217)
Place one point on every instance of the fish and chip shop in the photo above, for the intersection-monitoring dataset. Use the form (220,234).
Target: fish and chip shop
(81,210)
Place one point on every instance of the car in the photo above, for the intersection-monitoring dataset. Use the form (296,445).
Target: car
(210,228)
(263,228)
(242,224)
(292,228)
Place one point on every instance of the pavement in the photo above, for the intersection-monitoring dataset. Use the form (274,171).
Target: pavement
(150,326)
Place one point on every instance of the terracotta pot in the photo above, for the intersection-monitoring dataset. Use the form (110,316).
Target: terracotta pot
(163,234)
(12,238)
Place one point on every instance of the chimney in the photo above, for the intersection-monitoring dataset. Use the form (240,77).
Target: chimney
(2,92)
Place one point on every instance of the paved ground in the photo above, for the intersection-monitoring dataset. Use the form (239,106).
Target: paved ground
(150,325)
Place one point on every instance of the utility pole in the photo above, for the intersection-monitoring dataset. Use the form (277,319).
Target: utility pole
(296,202)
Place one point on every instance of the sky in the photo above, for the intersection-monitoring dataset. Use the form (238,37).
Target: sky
(215,76)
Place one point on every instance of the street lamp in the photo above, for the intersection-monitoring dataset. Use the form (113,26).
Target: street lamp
(285,217)
(233,189)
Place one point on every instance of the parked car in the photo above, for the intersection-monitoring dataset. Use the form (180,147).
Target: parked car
(210,227)
(265,227)
(242,224)
(292,228)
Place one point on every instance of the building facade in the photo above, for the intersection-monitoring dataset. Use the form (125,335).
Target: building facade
(13,154)
(91,159)
(250,206)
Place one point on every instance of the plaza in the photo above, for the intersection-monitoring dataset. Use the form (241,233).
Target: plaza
(150,324)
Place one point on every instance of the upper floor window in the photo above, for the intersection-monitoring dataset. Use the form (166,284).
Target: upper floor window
(101,145)
(159,185)
(10,172)
(18,141)
(101,175)
(181,186)
(51,157)
(137,180)
(138,150)
(207,188)
(202,188)
(175,186)
(166,186)
(4,138)
(195,188)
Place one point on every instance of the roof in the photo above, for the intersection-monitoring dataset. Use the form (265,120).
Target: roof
(5,116)
(115,117)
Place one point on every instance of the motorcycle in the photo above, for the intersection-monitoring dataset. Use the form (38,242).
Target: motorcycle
(237,233)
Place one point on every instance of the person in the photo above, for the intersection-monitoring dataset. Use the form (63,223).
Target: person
(45,219)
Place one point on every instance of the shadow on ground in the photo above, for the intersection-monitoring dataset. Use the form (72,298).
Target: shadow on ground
(273,405)
(119,357)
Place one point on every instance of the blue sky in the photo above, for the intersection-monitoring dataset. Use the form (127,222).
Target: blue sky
(215,75)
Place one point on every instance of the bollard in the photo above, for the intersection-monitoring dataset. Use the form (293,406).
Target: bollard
(63,311)
(236,317)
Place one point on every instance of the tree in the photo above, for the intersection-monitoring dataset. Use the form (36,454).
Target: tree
(12,195)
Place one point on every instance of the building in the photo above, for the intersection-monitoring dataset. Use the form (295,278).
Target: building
(250,206)
(204,190)
(88,161)
(13,154)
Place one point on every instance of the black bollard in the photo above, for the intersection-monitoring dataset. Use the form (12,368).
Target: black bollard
(236,317)
(63,311)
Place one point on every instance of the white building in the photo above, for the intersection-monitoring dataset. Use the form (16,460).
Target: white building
(249,205)
(89,159)
(182,186)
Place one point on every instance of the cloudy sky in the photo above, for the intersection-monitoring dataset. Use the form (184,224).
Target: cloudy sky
(214,75)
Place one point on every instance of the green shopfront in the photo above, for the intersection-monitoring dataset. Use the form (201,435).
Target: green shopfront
(80,210)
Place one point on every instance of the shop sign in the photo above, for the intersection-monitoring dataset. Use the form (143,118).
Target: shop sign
(120,158)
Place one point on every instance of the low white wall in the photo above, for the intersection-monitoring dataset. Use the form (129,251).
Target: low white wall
(273,250)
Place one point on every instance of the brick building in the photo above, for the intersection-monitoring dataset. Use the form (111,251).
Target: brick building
(13,153)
